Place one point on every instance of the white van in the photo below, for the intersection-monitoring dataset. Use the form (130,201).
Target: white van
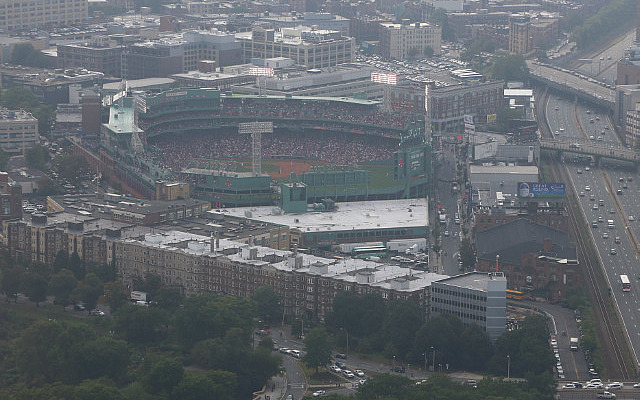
(610,224)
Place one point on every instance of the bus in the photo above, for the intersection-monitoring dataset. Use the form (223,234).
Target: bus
(626,284)
(515,294)
(369,251)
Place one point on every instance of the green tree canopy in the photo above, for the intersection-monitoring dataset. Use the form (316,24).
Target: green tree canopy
(267,304)
(72,167)
(34,286)
(11,281)
(61,286)
(318,348)
(89,290)
(213,385)
(37,157)
(25,54)
(510,67)
(163,376)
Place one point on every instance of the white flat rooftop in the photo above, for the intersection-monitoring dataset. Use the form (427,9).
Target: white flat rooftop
(382,214)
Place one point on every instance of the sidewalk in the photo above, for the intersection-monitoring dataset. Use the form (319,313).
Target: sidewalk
(274,389)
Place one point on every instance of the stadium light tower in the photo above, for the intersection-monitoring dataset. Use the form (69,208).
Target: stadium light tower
(256,129)
(261,72)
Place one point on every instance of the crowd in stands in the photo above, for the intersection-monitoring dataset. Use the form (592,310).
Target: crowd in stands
(176,152)
(316,111)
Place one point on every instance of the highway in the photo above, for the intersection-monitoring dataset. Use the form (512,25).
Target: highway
(603,64)
(572,80)
(592,185)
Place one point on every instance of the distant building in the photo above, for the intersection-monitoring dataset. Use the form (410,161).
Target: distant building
(409,40)
(100,55)
(179,53)
(18,131)
(533,257)
(527,33)
(321,21)
(19,15)
(311,48)
(51,86)
(475,298)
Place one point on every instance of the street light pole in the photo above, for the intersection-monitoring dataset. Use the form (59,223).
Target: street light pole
(508,366)
(425,361)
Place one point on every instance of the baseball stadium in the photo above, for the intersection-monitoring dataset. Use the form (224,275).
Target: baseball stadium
(238,150)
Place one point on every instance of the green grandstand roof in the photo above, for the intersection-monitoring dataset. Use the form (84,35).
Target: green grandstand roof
(121,116)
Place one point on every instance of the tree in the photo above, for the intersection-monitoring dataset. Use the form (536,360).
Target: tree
(400,326)
(89,291)
(140,325)
(34,286)
(104,357)
(73,167)
(428,51)
(510,67)
(116,295)
(61,286)
(18,97)
(37,157)
(467,255)
(267,304)
(25,54)
(4,159)
(168,298)
(105,271)
(47,186)
(318,348)
(61,261)
(11,281)
(94,390)
(163,376)
(384,386)
(214,385)
(75,266)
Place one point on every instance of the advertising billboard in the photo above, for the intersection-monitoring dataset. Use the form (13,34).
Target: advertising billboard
(537,190)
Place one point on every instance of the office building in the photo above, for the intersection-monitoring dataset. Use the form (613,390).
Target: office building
(19,15)
(307,47)
(101,55)
(475,297)
(18,131)
(409,40)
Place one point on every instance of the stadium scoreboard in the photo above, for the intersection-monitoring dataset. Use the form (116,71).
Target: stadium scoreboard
(410,163)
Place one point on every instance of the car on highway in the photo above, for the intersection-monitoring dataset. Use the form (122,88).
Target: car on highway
(595,207)
(341,355)
(614,385)
(601,202)
(636,385)
(587,188)
(597,385)
(605,235)
(594,224)
(612,252)
(606,395)
(290,397)
(569,386)
(446,233)
(587,169)
(319,393)
(631,218)
(612,211)
(581,194)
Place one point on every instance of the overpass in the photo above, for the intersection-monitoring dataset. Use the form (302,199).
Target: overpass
(586,147)
(581,86)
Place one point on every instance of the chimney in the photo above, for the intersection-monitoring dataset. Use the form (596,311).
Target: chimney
(547,245)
